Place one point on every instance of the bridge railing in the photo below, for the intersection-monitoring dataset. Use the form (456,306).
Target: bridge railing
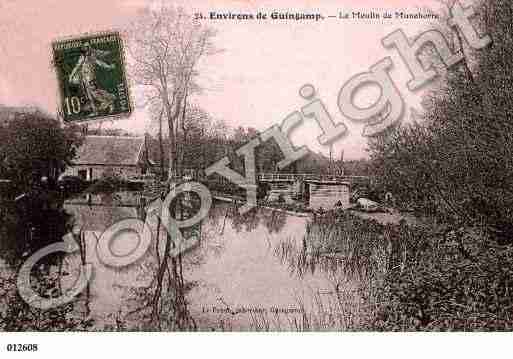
(285,176)
(306,176)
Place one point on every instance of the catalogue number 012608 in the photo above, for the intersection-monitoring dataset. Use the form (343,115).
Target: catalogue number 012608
(22,347)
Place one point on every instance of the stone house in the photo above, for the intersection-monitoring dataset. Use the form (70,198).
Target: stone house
(106,156)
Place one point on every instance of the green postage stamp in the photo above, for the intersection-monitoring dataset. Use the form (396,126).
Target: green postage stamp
(91,76)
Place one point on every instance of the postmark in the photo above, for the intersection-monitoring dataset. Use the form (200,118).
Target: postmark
(91,77)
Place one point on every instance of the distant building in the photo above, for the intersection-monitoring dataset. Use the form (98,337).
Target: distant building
(327,194)
(104,156)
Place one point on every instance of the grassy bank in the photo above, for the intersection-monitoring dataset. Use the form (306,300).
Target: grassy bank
(411,277)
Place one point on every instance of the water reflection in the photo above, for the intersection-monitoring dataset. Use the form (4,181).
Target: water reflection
(32,223)
(246,286)
(234,280)
(111,199)
(29,225)
(273,220)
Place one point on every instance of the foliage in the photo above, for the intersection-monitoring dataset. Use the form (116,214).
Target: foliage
(17,315)
(457,162)
(205,140)
(32,224)
(109,132)
(292,207)
(360,167)
(416,277)
(32,144)
(457,281)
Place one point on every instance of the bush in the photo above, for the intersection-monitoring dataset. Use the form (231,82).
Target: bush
(292,207)
(111,184)
(458,281)
(454,162)
(419,277)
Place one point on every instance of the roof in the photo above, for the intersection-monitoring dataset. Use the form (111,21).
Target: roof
(109,150)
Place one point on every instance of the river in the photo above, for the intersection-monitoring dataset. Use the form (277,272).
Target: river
(237,277)
(246,273)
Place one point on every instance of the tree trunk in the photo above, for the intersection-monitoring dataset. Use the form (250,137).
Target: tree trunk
(161,145)
(185,134)
(172,148)
(171,117)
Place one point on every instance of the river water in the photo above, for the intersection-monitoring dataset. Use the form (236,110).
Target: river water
(238,275)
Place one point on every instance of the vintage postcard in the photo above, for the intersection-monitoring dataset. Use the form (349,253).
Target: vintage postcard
(281,166)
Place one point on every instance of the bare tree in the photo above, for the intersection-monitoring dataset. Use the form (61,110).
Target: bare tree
(165,46)
(156,111)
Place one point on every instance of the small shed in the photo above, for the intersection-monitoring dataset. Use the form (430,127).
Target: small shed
(326,194)
(279,189)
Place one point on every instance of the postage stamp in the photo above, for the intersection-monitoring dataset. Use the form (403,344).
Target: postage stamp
(91,77)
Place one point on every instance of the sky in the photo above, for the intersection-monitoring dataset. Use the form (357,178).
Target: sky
(254,81)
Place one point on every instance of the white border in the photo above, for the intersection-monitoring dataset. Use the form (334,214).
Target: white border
(259,345)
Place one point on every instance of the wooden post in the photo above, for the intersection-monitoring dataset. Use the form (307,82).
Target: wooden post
(80,238)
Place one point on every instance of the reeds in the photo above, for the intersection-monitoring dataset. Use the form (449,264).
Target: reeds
(354,253)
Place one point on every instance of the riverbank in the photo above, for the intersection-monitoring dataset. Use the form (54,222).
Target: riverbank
(416,276)
(224,198)
(392,216)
